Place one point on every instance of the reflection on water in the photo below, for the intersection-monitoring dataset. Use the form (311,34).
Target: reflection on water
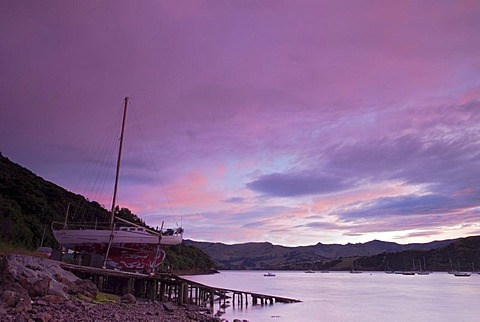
(342,296)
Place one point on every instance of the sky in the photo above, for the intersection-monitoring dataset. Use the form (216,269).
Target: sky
(292,122)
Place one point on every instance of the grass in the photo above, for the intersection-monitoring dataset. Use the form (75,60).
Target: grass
(105,297)
(7,248)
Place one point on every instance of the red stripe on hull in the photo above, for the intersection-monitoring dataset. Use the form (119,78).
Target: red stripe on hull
(127,257)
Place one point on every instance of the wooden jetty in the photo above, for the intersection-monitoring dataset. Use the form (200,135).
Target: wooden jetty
(240,296)
(169,287)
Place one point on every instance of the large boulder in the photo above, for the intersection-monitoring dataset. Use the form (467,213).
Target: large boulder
(87,287)
(36,286)
(10,298)
(12,293)
(169,306)
(42,276)
(129,298)
(42,317)
(23,305)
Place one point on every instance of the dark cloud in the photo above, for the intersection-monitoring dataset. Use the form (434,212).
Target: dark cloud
(428,233)
(324,225)
(296,184)
(439,144)
(401,206)
(408,223)
(235,200)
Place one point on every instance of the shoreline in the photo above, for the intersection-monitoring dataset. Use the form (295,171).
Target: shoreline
(38,289)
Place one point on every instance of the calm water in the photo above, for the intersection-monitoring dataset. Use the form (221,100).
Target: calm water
(343,296)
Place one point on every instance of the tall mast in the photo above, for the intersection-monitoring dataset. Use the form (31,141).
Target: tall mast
(118,163)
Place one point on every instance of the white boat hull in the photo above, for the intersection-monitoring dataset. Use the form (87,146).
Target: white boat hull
(130,248)
(94,236)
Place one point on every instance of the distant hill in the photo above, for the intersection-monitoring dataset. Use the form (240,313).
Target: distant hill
(320,256)
(29,204)
(462,254)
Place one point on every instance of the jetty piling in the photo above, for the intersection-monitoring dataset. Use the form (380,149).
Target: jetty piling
(168,287)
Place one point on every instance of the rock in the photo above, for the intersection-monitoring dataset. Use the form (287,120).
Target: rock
(87,286)
(41,302)
(10,298)
(86,298)
(58,293)
(169,306)
(71,288)
(129,298)
(53,299)
(17,288)
(69,306)
(42,317)
(40,287)
(19,318)
(23,305)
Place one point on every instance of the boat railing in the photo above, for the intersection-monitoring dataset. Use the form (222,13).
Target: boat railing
(126,226)
(79,225)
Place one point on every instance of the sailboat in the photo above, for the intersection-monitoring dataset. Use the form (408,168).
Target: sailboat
(423,271)
(388,270)
(120,244)
(354,270)
(459,273)
(452,270)
(410,272)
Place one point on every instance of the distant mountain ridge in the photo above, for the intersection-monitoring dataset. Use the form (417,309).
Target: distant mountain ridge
(265,255)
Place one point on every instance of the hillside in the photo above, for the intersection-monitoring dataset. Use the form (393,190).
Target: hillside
(369,256)
(29,204)
(462,254)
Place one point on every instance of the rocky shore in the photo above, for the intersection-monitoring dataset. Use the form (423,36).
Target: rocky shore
(36,289)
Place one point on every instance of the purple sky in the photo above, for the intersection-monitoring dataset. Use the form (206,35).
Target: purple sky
(293,122)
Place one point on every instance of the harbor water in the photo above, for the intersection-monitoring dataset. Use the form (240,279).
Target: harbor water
(341,296)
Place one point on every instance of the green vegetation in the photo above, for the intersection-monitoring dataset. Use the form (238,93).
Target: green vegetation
(462,254)
(105,297)
(7,248)
(29,205)
(182,257)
